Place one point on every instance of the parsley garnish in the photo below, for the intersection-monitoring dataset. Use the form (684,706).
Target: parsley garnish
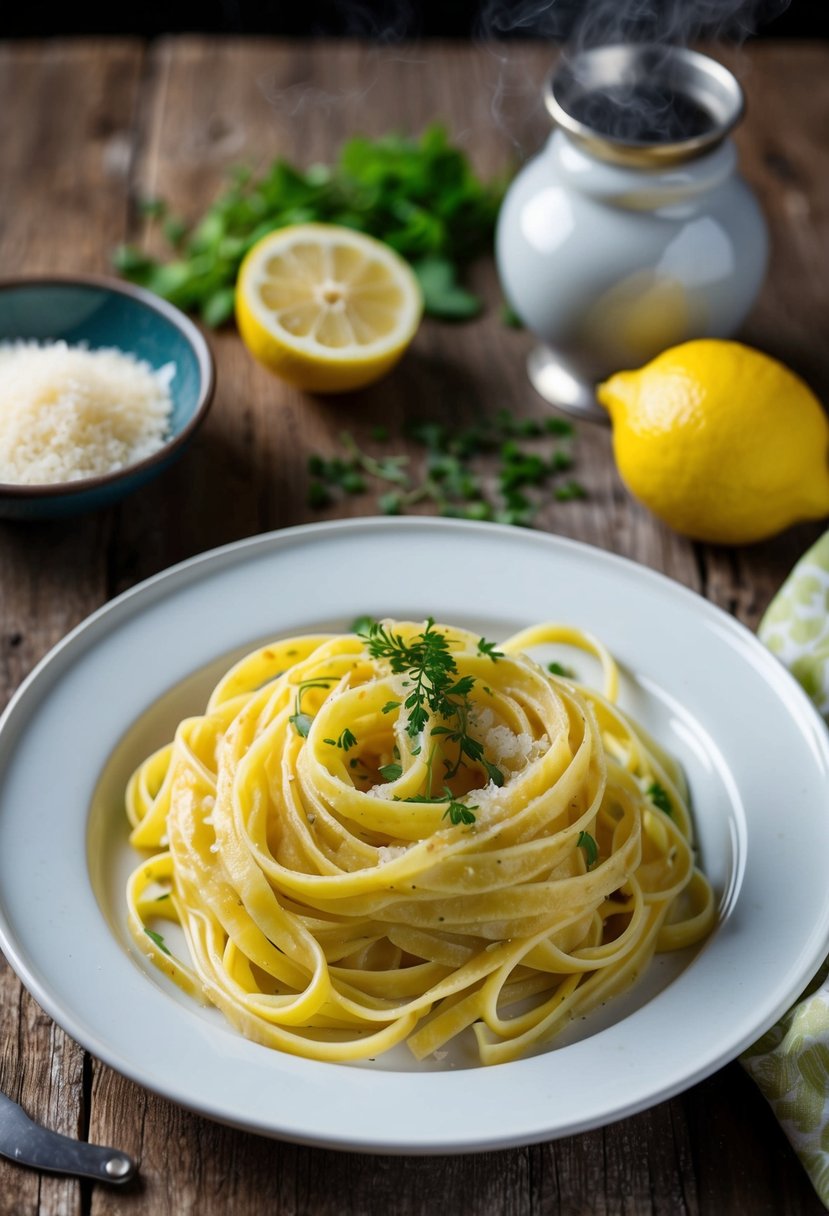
(158,939)
(659,797)
(591,849)
(436,689)
(391,772)
(488,648)
(459,812)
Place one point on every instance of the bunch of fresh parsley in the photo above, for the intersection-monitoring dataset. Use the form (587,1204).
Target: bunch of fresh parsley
(421,196)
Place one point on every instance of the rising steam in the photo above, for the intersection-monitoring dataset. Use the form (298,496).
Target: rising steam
(585,23)
(578,25)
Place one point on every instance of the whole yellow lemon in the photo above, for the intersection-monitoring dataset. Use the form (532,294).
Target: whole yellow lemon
(720,441)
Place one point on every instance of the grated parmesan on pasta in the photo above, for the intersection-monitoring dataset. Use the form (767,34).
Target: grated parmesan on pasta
(67,412)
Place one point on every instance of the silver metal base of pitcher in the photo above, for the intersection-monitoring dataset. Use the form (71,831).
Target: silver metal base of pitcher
(553,381)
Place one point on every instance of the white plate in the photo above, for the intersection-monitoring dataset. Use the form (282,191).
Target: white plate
(755,752)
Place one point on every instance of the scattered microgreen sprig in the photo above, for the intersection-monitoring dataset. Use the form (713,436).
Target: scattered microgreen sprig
(495,470)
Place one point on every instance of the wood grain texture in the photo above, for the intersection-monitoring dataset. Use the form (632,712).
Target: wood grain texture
(67,121)
(87,130)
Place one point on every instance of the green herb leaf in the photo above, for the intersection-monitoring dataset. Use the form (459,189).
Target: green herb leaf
(153,208)
(572,490)
(318,496)
(432,435)
(353,482)
(175,230)
(391,772)
(510,317)
(659,797)
(560,461)
(131,262)
(558,669)
(421,196)
(158,939)
(459,812)
(218,308)
(346,740)
(479,511)
(591,849)
(361,625)
(301,723)
(390,504)
(494,773)
(488,648)
(389,707)
(558,426)
(443,295)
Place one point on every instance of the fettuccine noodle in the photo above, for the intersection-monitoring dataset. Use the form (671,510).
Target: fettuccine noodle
(331,911)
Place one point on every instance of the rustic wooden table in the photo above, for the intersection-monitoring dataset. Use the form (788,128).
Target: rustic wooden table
(88,128)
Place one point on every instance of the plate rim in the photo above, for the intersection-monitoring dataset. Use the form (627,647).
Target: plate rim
(112,615)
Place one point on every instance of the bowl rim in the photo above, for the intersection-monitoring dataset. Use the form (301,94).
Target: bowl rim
(191,333)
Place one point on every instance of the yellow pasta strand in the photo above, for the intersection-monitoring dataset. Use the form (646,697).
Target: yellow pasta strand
(344,884)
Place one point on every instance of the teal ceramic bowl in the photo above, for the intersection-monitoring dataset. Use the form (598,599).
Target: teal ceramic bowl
(107,313)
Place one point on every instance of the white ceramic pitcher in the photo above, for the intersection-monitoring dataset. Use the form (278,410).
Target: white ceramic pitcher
(612,248)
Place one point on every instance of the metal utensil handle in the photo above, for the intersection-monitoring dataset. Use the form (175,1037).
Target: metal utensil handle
(43,1149)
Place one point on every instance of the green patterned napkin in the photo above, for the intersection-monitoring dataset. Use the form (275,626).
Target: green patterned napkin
(791,1062)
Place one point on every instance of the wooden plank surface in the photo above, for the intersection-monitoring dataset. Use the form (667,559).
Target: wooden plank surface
(88,128)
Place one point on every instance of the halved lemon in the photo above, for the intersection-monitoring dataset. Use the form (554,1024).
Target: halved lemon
(327,308)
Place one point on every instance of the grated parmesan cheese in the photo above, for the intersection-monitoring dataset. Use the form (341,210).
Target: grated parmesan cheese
(390,852)
(503,745)
(67,412)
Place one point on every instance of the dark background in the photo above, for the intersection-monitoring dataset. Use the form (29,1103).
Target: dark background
(391,20)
